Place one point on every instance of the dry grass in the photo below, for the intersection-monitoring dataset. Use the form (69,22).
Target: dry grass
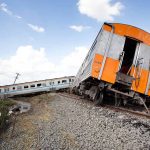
(26,123)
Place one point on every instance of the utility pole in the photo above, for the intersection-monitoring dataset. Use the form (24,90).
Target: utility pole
(17,75)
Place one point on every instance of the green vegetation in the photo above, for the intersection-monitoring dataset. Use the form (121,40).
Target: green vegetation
(4,109)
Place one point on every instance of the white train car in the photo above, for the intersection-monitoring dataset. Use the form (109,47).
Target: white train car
(37,86)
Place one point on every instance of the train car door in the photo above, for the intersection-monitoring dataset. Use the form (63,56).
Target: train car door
(129,53)
(123,75)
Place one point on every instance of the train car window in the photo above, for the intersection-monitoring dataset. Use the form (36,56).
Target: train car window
(0,90)
(39,84)
(64,81)
(72,80)
(58,82)
(6,90)
(69,80)
(14,88)
(44,84)
(32,86)
(26,86)
(51,83)
(19,87)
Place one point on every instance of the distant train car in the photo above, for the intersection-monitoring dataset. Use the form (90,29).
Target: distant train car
(118,64)
(37,86)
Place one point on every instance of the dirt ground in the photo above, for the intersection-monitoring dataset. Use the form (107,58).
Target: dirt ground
(57,122)
(25,124)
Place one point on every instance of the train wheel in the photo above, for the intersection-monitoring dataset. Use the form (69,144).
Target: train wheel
(117,101)
(99,98)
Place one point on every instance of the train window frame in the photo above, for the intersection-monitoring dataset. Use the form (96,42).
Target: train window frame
(64,81)
(19,87)
(32,86)
(44,84)
(26,86)
(6,90)
(128,59)
(39,84)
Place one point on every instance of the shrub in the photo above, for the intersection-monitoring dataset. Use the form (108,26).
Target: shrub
(4,109)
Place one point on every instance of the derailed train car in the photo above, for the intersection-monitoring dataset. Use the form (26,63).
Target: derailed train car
(118,64)
(33,87)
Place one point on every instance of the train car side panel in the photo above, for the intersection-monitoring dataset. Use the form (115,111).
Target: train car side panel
(90,66)
(141,72)
(148,86)
(110,69)
(149,93)
(140,83)
(96,66)
(112,62)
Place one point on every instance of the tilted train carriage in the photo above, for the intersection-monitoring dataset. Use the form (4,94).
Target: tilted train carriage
(40,86)
(118,64)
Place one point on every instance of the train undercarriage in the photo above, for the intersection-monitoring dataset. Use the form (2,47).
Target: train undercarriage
(118,94)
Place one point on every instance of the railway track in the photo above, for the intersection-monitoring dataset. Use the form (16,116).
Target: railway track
(116,109)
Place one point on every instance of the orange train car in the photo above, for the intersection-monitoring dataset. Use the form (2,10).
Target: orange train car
(117,64)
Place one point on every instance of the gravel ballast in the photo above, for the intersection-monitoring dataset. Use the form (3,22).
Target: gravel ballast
(58,122)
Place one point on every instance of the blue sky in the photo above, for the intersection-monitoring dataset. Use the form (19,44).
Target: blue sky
(55,17)
(56,24)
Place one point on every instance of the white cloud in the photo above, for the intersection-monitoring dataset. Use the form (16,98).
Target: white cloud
(101,10)
(29,62)
(36,28)
(70,64)
(75,58)
(33,64)
(19,17)
(3,7)
(79,28)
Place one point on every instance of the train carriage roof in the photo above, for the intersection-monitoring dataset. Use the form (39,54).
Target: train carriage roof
(32,82)
(128,31)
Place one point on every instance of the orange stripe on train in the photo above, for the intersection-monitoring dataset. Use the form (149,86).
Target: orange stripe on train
(110,68)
